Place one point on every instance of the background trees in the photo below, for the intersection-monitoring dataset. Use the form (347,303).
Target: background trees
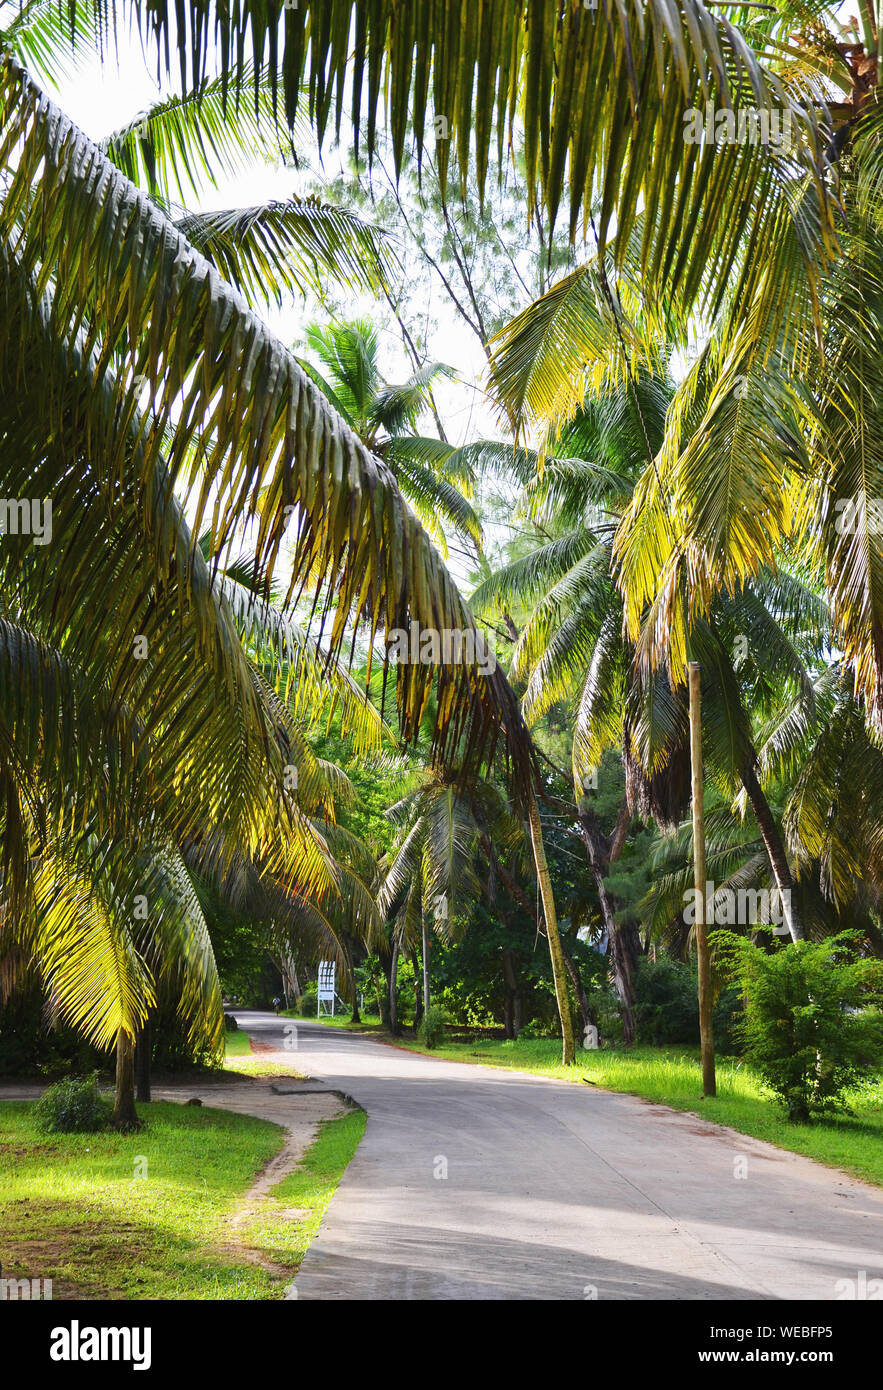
(159,716)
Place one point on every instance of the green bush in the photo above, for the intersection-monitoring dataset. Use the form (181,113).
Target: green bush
(30,1047)
(432,1027)
(308,1003)
(811,1025)
(72,1106)
(667,1008)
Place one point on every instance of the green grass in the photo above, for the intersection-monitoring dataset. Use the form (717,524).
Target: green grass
(307,1190)
(671,1076)
(238,1044)
(73,1210)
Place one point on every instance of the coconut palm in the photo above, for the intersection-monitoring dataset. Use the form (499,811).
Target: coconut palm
(432,872)
(184,385)
(598,96)
(433,476)
(121,385)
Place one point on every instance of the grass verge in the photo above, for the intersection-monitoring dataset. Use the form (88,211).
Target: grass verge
(148,1215)
(289,1217)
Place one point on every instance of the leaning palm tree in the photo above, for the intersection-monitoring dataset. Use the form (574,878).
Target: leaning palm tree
(138,383)
(109,290)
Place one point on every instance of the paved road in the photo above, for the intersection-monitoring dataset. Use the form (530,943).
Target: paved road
(481,1184)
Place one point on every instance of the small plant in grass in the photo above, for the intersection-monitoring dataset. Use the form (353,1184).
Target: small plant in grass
(432,1027)
(811,1024)
(74,1105)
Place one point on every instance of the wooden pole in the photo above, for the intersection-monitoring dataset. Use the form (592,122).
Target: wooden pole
(706,1036)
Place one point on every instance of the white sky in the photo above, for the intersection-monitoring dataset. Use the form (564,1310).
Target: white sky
(103,97)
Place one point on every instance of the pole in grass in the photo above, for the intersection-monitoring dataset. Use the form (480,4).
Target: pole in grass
(706,1036)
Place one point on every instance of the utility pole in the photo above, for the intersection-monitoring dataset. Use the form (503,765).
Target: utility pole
(706,1037)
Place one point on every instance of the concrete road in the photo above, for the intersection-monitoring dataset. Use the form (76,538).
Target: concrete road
(475,1183)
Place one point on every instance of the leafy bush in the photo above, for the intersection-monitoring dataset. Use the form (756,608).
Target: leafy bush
(432,1027)
(73,1106)
(30,1047)
(667,1008)
(308,1003)
(810,1026)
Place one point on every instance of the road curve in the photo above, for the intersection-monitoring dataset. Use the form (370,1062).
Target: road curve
(477,1183)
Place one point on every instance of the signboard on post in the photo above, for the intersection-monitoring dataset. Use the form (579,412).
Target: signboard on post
(326,990)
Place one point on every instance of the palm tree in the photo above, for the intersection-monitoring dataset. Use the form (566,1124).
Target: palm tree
(432,475)
(138,383)
(598,96)
(102,286)
(432,873)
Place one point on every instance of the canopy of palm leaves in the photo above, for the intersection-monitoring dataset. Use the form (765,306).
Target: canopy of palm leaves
(430,473)
(130,369)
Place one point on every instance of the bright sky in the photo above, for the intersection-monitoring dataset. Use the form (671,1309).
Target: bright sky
(103,97)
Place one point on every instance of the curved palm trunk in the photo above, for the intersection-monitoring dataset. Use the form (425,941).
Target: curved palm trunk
(559,970)
(624,944)
(125,1116)
(776,851)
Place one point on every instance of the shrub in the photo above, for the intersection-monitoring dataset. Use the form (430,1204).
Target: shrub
(668,1006)
(810,1026)
(73,1106)
(308,1003)
(432,1027)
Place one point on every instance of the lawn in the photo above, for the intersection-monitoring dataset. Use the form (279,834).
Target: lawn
(670,1076)
(238,1044)
(148,1215)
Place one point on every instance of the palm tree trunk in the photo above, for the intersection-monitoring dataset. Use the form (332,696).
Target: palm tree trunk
(559,971)
(351,972)
(125,1116)
(775,849)
(393,990)
(703,959)
(143,1050)
(425,964)
(418,990)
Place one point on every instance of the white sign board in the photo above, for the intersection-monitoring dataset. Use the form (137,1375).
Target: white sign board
(326,990)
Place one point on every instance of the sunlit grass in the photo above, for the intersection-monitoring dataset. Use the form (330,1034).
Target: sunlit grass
(132,1216)
(147,1215)
(307,1191)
